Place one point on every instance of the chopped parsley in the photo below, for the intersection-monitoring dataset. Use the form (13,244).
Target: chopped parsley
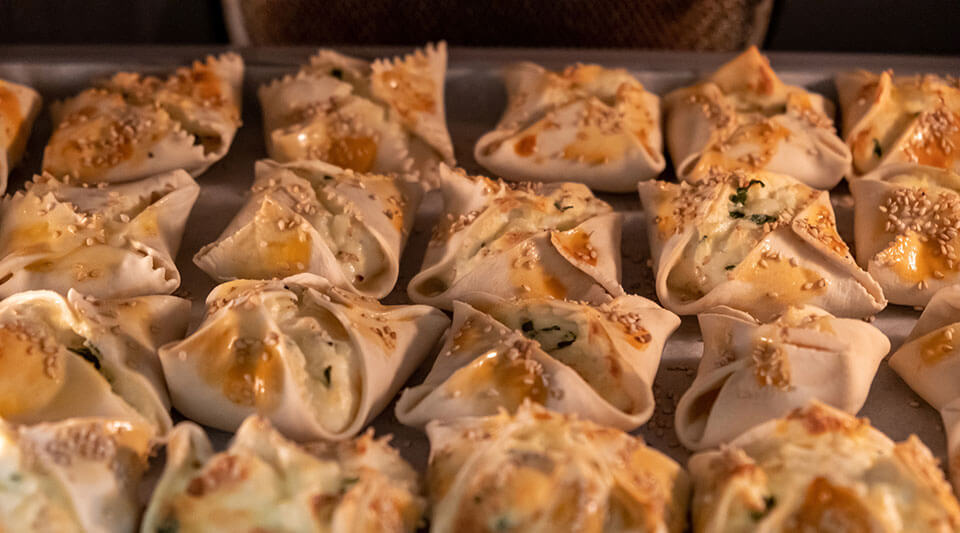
(350,481)
(567,341)
(761,219)
(532,332)
(769,502)
(337,73)
(169,525)
(740,197)
(877,150)
(326,376)
(730,267)
(89,353)
(327,177)
(561,207)
(736,214)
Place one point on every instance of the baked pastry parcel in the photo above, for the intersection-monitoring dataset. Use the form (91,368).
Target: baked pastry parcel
(821,469)
(75,475)
(906,219)
(929,361)
(589,124)
(131,126)
(541,471)
(316,360)
(76,356)
(264,482)
(754,241)
(894,119)
(596,361)
(752,372)
(526,240)
(376,116)
(19,107)
(111,241)
(744,116)
(310,216)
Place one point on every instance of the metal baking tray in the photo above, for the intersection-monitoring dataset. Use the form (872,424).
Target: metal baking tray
(474,100)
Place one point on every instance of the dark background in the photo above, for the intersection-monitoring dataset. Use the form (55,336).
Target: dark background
(904,26)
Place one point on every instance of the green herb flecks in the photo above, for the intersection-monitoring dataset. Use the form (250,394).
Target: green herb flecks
(761,219)
(545,334)
(877,149)
(169,525)
(561,207)
(769,502)
(740,197)
(327,379)
(736,214)
(730,267)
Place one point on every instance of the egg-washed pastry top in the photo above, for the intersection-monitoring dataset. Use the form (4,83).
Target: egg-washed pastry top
(820,469)
(131,126)
(929,361)
(589,124)
(539,471)
(895,119)
(754,241)
(744,116)
(519,240)
(310,216)
(752,372)
(906,220)
(317,360)
(381,116)
(75,476)
(109,241)
(19,107)
(264,482)
(82,357)
(596,361)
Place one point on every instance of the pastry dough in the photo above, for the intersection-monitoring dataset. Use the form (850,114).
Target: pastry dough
(78,475)
(596,361)
(906,219)
(589,124)
(381,116)
(889,119)
(539,471)
(313,217)
(132,126)
(527,240)
(264,482)
(820,469)
(318,361)
(929,361)
(744,116)
(82,357)
(19,107)
(754,241)
(113,241)
(751,372)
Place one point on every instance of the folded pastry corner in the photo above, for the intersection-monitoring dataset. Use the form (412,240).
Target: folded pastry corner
(587,123)
(817,469)
(310,216)
(896,119)
(316,360)
(596,361)
(752,372)
(132,126)
(83,357)
(80,474)
(528,239)
(906,221)
(385,116)
(929,361)
(109,241)
(539,471)
(263,481)
(744,116)
(19,107)
(755,241)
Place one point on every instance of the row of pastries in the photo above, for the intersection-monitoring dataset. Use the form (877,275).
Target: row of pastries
(546,361)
